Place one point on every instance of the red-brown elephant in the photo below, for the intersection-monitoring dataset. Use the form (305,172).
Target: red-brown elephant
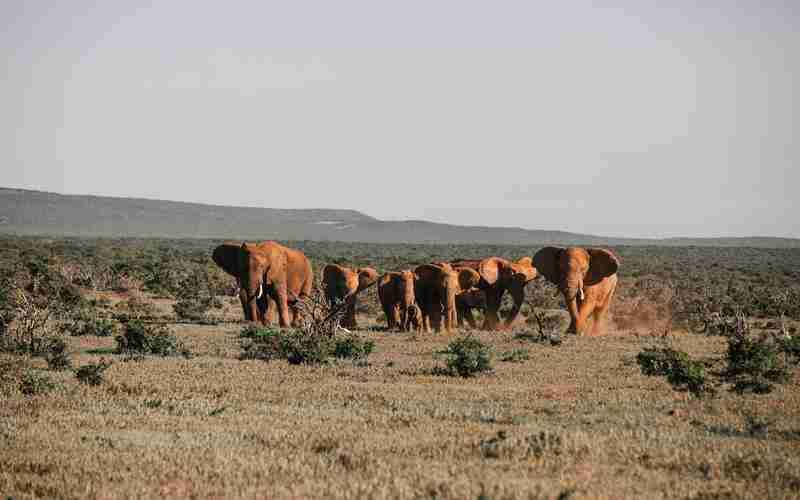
(344,284)
(226,256)
(397,296)
(586,277)
(271,270)
(435,288)
(496,276)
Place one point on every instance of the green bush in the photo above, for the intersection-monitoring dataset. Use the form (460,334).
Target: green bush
(35,382)
(298,347)
(86,322)
(755,364)
(353,347)
(139,339)
(515,356)
(682,372)
(92,373)
(468,356)
(56,354)
(790,346)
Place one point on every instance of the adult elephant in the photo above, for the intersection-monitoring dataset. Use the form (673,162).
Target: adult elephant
(396,293)
(343,284)
(498,275)
(436,288)
(272,270)
(469,297)
(587,277)
(226,256)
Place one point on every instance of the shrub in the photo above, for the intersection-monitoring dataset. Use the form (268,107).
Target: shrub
(353,347)
(681,372)
(297,347)
(515,356)
(468,356)
(56,354)
(755,364)
(790,346)
(12,370)
(86,322)
(135,308)
(35,382)
(139,339)
(92,373)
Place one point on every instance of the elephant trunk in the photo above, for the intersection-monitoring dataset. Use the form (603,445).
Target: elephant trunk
(572,305)
(572,288)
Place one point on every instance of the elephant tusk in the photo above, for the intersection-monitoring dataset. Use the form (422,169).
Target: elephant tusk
(260,291)
(580,293)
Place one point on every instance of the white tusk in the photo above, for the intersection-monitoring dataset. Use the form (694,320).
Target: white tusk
(260,291)
(580,293)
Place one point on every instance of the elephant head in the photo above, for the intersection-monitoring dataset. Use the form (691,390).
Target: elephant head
(366,277)
(257,264)
(573,269)
(499,275)
(437,286)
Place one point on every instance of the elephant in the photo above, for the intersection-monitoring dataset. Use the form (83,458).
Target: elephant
(496,276)
(435,288)
(466,301)
(397,296)
(468,297)
(413,319)
(586,277)
(226,256)
(343,284)
(275,271)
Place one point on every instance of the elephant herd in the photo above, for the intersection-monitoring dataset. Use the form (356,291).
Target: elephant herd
(440,296)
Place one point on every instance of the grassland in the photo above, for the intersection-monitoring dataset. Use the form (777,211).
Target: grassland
(575,420)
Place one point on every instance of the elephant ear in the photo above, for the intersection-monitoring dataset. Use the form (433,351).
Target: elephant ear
(366,277)
(331,274)
(467,278)
(491,269)
(226,256)
(524,269)
(546,263)
(602,263)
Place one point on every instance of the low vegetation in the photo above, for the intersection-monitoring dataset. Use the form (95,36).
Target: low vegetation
(528,413)
(139,339)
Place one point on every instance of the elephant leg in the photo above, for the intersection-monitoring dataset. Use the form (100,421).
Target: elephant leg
(285,318)
(469,317)
(598,325)
(517,291)
(462,313)
(271,313)
(435,316)
(248,316)
(585,310)
(349,319)
(492,319)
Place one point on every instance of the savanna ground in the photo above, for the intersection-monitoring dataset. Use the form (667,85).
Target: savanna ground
(576,419)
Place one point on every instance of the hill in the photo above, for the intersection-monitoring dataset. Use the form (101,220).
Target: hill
(37,213)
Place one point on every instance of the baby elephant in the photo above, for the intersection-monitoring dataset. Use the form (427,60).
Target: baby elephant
(413,319)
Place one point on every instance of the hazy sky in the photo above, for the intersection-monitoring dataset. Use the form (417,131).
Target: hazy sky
(631,119)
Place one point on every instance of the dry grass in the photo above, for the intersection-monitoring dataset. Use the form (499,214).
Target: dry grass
(577,420)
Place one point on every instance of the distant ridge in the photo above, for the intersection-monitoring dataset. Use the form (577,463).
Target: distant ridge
(36,213)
